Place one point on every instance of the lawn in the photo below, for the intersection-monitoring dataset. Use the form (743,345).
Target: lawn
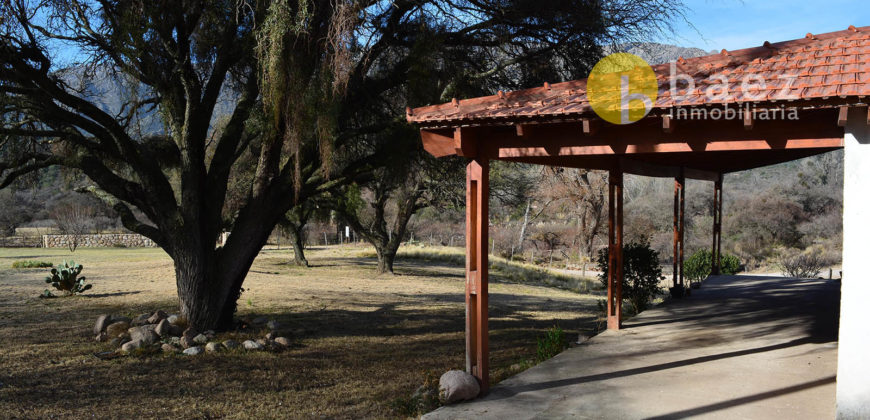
(368,340)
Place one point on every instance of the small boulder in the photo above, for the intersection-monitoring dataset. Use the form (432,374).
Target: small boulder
(283,341)
(120,319)
(164,328)
(167,348)
(117,328)
(273,325)
(175,341)
(200,339)
(456,385)
(140,320)
(175,330)
(131,345)
(252,345)
(193,351)
(190,332)
(102,322)
(101,337)
(187,342)
(213,347)
(231,344)
(271,335)
(116,342)
(157,317)
(173,319)
(144,334)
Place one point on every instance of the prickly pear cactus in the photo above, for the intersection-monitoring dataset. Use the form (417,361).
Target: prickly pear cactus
(65,277)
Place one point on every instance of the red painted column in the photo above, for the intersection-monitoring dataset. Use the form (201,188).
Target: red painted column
(477,272)
(614,272)
(679,227)
(717,227)
(682,180)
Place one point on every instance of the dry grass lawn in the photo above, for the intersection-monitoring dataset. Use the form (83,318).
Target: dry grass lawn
(369,339)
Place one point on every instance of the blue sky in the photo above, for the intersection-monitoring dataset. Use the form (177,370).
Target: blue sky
(735,24)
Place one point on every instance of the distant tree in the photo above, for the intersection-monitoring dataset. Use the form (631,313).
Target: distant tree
(75,219)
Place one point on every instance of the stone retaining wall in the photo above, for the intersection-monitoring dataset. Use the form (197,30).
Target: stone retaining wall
(21,242)
(107,240)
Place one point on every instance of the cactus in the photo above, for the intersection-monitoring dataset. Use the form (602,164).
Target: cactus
(66,278)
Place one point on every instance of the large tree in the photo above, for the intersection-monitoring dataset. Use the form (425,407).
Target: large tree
(301,79)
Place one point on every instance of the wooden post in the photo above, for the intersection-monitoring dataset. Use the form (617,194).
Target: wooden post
(682,180)
(679,226)
(476,272)
(614,272)
(717,227)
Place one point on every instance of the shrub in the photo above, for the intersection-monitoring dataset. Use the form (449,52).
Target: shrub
(31,264)
(700,265)
(66,278)
(793,263)
(551,344)
(641,273)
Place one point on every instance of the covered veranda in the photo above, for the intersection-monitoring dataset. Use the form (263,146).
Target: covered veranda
(824,78)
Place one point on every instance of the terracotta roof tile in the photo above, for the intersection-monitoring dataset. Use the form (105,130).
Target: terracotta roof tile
(823,66)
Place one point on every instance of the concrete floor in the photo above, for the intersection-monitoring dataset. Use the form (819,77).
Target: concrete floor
(741,347)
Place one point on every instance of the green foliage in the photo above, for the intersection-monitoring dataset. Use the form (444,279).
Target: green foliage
(66,278)
(641,273)
(700,265)
(31,264)
(552,343)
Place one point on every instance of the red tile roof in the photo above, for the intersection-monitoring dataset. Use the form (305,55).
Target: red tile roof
(825,66)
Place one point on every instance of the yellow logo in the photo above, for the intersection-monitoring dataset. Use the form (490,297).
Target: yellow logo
(622,88)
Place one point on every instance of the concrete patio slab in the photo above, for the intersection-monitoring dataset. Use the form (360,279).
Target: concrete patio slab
(741,347)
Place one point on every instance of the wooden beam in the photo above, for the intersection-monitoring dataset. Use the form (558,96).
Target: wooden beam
(843,116)
(465,142)
(748,123)
(438,143)
(477,272)
(667,124)
(589,127)
(637,167)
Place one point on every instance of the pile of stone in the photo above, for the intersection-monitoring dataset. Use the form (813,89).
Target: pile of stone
(160,331)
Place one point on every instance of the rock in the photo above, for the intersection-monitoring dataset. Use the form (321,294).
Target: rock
(273,325)
(167,348)
(116,319)
(131,345)
(163,328)
(252,345)
(193,351)
(117,328)
(157,317)
(175,331)
(231,344)
(271,335)
(144,334)
(262,342)
(213,347)
(190,332)
(200,339)
(283,341)
(102,322)
(187,342)
(175,341)
(140,320)
(173,319)
(210,334)
(101,337)
(456,385)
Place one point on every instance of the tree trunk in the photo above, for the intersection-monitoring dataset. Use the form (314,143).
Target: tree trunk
(296,238)
(386,256)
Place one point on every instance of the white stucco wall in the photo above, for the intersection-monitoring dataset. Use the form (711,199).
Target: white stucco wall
(853,370)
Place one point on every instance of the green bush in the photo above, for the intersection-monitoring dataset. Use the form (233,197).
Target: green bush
(31,264)
(551,344)
(66,278)
(641,273)
(700,265)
